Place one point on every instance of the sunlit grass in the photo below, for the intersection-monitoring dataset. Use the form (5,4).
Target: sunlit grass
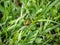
(43,27)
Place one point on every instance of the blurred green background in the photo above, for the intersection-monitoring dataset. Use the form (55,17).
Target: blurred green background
(29,22)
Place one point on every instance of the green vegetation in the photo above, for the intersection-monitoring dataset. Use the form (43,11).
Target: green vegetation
(30,22)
